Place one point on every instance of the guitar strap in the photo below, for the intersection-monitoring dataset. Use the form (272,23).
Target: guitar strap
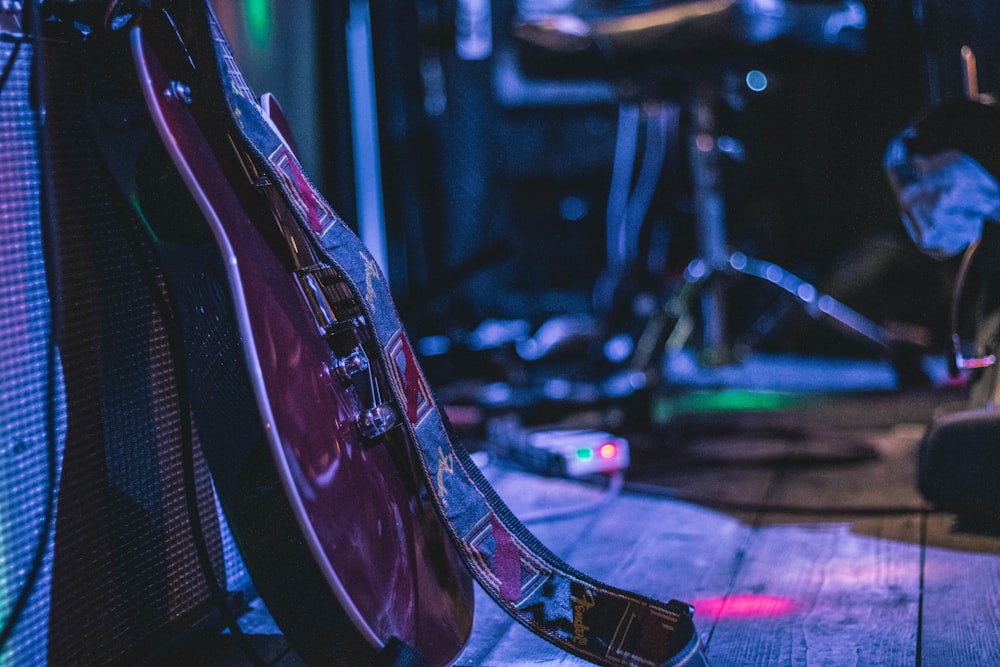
(585,617)
(580,615)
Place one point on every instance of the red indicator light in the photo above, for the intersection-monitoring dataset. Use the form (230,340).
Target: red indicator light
(607,451)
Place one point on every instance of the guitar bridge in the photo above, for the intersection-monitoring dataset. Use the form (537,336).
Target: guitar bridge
(328,296)
(341,324)
(340,321)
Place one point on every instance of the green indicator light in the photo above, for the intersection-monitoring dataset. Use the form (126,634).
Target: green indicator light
(258,15)
(584,454)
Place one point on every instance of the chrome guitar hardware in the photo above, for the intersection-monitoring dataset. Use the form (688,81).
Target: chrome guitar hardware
(353,363)
(339,320)
(376,417)
(329,298)
(378,421)
(318,303)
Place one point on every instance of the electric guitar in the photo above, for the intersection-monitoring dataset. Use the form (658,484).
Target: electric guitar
(359,516)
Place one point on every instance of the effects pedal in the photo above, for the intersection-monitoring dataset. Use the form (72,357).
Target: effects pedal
(566,452)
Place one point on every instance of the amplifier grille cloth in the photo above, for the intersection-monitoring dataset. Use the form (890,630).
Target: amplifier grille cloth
(123,575)
(24,375)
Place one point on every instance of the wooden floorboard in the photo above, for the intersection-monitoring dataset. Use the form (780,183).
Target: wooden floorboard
(664,550)
(961,596)
(834,560)
(818,594)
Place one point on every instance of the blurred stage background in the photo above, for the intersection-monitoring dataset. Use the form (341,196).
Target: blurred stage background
(495,174)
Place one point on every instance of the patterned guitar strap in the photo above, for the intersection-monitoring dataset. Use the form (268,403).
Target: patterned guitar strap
(576,613)
(580,615)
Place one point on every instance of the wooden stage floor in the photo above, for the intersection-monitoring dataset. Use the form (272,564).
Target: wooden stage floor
(789,560)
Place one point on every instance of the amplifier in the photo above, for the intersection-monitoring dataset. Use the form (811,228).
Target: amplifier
(110,532)
(32,401)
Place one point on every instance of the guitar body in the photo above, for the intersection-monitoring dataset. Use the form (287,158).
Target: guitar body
(361,520)
(331,515)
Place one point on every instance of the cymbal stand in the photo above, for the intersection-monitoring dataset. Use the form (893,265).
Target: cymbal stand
(670,329)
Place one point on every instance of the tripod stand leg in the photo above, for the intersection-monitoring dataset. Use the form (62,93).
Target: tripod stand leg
(710,219)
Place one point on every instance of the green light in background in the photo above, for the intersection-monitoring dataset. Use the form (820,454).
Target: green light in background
(258,17)
(725,401)
(584,454)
